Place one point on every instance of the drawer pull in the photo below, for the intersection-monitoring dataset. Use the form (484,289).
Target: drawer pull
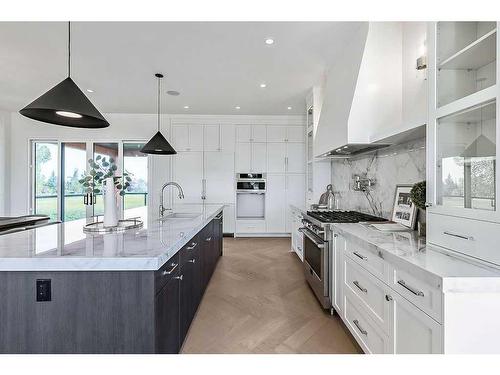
(359,255)
(356,282)
(388,297)
(192,260)
(179,277)
(363,331)
(469,238)
(174,266)
(208,239)
(413,290)
(193,245)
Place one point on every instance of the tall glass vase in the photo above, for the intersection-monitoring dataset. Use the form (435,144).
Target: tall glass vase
(110,203)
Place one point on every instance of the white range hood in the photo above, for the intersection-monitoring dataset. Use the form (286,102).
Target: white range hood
(362,93)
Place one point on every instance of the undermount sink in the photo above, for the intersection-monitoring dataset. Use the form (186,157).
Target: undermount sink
(181,215)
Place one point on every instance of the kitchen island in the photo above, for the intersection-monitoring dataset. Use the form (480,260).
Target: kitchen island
(64,291)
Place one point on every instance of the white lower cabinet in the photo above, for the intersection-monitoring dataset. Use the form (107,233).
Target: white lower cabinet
(368,334)
(414,332)
(297,236)
(275,203)
(383,315)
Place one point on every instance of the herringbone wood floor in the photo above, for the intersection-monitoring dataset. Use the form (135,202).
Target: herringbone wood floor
(259,302)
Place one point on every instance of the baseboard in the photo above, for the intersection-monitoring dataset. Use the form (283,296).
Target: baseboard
(227,234)
(241,235)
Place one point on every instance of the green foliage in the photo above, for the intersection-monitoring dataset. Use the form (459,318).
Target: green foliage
(417,194)
(103,168)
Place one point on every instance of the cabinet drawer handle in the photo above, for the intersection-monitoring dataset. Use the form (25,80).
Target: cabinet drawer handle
(469,238)
(193,245)
(363,331)
(411,289)
(179,277)
(169,272)
(356,282)
(359,255)
(208,239)
(388,297)
(192,260)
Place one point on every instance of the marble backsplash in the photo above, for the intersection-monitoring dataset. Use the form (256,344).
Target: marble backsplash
(399,164)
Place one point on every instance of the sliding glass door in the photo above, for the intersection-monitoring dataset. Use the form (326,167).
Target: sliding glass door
(59,166)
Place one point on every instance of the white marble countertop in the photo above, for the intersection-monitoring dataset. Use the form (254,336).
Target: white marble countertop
(407,250)
(64,247)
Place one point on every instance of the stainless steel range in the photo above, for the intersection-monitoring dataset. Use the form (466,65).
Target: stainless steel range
(318,248)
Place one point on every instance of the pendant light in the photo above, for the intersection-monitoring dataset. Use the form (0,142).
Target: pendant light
(65,104)
(158,144)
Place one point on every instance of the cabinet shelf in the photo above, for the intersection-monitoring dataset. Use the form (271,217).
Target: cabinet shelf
(479,53)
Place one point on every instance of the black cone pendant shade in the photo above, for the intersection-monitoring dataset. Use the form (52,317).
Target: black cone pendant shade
(158,144)
(65,104)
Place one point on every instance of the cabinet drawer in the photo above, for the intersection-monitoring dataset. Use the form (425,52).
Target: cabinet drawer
(369,291)
(250,226)
(190,250)
(422,294)
(368,259)
(366,332)
(471,237)
(166,272)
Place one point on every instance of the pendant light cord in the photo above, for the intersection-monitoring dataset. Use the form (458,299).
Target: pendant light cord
(159,93)
(69,48)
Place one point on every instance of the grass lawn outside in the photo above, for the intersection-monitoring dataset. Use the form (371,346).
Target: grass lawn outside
(75,209)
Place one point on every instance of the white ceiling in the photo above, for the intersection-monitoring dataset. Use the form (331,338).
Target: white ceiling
(215,65)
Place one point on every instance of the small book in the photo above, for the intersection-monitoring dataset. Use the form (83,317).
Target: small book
(391,227)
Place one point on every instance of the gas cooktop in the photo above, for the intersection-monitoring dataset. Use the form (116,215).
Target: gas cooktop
(343,217)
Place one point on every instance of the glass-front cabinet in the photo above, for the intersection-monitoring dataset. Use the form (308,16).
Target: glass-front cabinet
(463,137)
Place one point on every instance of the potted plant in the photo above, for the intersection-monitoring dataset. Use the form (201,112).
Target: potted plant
(417,196)
(101,178)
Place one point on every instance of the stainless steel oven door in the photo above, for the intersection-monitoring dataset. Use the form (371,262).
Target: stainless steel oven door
(316,265)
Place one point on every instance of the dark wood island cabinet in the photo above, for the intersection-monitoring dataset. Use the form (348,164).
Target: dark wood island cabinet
(110,311)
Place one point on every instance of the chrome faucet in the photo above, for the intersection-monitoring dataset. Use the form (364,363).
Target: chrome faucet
(181,195)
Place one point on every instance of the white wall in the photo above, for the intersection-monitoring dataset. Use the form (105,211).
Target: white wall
(123,127)
(4,162)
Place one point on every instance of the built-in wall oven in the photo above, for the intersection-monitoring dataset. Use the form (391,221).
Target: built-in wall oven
(250,196)
(316,261)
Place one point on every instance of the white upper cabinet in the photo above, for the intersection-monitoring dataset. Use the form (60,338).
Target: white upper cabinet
(251,157)
(276,157)
(250,133)
(259,157)
(188,172)
(219,177)
(211,138)
(187,137)
(462,138)
(285,134)
(227,138)
(295,158)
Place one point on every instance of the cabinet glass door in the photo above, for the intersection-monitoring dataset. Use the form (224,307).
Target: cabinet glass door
(466,158)
(45,177)
(135,163)
(466,59)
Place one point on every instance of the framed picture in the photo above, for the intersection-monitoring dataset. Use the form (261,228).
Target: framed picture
(404,211)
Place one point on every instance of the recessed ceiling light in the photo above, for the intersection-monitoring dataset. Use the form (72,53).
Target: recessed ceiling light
(186,107)
(269,41)
(90,90)
(289,108)
(173,93)
(263,85)
(237,107)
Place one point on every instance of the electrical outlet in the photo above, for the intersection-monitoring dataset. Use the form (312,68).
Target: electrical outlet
(43,290)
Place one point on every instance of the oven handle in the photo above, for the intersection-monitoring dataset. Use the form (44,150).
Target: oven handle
(308,234)
(250,191)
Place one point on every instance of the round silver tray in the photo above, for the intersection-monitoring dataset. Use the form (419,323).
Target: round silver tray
(123,225)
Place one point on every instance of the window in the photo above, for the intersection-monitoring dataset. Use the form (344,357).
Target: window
(46,156)
(135,163)
(58,167)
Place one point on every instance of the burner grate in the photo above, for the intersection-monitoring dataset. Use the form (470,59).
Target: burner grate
(343,217)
